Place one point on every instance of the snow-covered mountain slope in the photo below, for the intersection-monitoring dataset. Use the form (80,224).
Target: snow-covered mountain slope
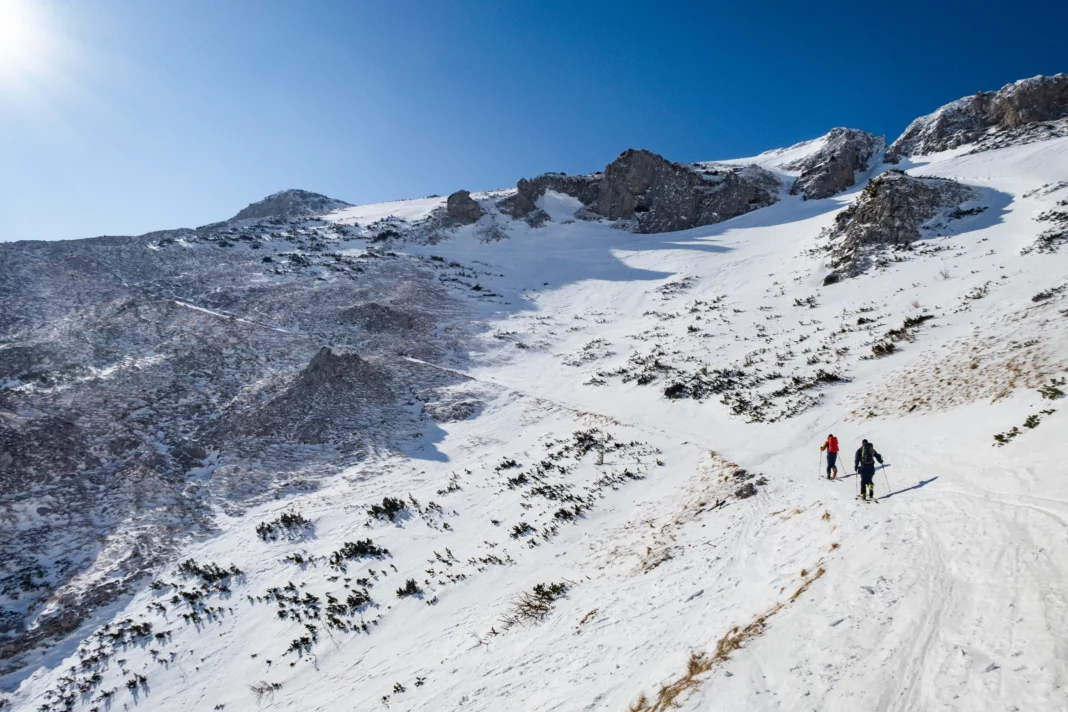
(604,497)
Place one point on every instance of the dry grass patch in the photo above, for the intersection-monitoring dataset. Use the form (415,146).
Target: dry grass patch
(701,662)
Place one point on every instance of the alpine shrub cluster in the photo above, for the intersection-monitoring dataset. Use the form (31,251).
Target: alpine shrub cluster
(356,550)
(291,525)
(389,509)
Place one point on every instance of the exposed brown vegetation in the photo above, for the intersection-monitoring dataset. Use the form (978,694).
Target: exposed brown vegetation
(701,662)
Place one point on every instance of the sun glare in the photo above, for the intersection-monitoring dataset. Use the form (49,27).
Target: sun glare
(24,40)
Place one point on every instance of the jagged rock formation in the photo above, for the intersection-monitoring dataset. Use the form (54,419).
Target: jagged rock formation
(524,203)
(337,391)
(890,212)
(461,209)
(661,196)
(292,203)
(967,120)
(655,193)
(833,168)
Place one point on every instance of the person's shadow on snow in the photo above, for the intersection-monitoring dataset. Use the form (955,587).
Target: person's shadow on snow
(919,484)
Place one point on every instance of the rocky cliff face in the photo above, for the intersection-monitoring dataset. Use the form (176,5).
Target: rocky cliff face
(890,212)
(967,120)
(834,167)
(653,192)
(661,196)
(291,203)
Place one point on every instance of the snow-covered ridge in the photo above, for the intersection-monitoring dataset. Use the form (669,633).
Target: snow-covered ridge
(1012,109)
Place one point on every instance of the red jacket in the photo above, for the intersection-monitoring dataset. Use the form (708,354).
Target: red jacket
(831,445)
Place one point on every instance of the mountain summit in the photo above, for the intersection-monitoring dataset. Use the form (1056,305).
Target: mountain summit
(291,203)
(1024,103)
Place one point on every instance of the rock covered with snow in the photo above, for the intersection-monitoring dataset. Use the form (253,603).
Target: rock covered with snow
(461,209)
(966,120)
(890,212)
(656,194)
(523,203)
(662,196)
(292,203)
(834,167)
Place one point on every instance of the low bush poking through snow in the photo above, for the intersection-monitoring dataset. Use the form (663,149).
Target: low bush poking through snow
(410,588)
(533,606)
(291,525)
(390,509)
(209,573)
(262,688)
(521,529)
(358,550)
(1052,391)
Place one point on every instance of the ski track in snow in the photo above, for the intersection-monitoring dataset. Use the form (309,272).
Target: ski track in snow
(950,594)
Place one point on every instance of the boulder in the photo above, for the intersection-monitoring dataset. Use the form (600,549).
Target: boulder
(662,196)
(833,168)
(461,209)
(967,120)
(890,212)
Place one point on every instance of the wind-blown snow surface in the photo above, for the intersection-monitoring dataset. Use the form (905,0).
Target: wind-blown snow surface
(951,593)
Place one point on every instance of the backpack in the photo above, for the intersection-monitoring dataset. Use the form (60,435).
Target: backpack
(867,454)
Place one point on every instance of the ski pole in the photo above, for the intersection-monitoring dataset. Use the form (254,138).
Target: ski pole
(819,472)
(888,490)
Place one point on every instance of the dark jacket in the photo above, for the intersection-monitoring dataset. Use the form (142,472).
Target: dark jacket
(856,459)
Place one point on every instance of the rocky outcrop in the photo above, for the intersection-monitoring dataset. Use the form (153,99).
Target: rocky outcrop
(336,391)
(376,318)
(653,192)
(661,196)
(891,211)
(461,209)
(524,203)
(833,168)
(291,203)
(967,120)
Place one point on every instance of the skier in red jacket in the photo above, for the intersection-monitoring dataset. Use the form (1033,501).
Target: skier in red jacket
(831,446)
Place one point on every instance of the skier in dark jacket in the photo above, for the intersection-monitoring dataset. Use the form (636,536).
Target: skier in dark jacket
(864,462)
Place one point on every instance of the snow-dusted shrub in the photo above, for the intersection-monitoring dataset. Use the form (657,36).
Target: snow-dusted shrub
(208,573)
(356,550)
(291,525)
(410,588)
(390,508)
(533,606)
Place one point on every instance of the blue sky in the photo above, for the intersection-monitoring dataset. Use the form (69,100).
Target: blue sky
(130,116)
